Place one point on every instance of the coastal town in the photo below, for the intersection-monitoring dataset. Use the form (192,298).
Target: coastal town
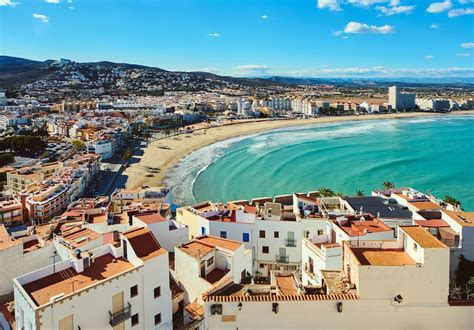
(86,220)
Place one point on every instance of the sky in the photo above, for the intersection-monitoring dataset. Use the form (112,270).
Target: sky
(303,38)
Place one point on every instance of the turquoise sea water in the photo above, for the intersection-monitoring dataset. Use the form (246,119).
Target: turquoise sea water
(434,154)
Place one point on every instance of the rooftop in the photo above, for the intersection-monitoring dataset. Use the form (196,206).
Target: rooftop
(144,243)
(424,205)
(195,309)
(382,257)
(362,225)
(69,281)
(196,249)
(378,207)
(150,218)
(422,237)
(287,284)
(463,218)
(220,242)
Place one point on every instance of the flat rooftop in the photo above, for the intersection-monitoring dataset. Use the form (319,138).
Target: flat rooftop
(422,237)
(69,281)
(378,207)
(382,257)
(144,243)
(461,217)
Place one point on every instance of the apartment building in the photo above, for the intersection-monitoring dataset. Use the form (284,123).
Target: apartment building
(126,282)
(209,261)
(43,202)
(22,178)
(11,211)
(402,283)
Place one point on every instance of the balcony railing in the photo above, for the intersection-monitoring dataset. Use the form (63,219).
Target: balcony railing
(290,242)
(120,316)
(282,259)
(452,243)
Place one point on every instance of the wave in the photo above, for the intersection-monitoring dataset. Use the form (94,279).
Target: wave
(182,178)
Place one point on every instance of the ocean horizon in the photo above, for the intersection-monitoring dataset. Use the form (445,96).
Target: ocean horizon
(433,154)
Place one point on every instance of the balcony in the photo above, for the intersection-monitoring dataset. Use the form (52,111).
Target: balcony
(120,316)
(290,242)
(282,259)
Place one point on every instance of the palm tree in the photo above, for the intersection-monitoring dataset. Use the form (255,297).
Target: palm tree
(326,192)
(388,185)
(451,200)
(359,193)
(340,194)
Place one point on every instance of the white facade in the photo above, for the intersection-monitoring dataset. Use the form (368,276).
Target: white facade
(399,100)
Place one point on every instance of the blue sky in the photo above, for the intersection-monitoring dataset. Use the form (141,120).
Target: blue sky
(331,38)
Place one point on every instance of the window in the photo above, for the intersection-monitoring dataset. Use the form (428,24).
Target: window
(134,319)
(134,291)
(246,237)
(223,234)
(276,234)
(157,318)
(265,249)
(320,232)
(210,261)
(157,292)
(262,265)
(203,230)
(415,246)
(262,234)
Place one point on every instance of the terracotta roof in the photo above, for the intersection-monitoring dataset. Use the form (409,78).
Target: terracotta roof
(382,257)
(220,242)
(432,223)
(286,284)
(69,281)
(150,218)
(5,240)
(422,237)
(261,298)
(425,205)
(144,243)
(463,218)
(250,209)
(196,249)
(195,309)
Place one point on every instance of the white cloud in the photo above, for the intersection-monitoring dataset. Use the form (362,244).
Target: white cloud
(429,57)
(439,7)
(8,3)
(214,35)
(381,72)
(434,26)
(253,67)
(467,45)
(41,17)
(333,5)
(368,3)
(52,1)
(345,37)
(389,11)
(264,17)
(460,12)
(465,2)
(356,27)
(464,54)
(338,33)
(69,1)
(70,7)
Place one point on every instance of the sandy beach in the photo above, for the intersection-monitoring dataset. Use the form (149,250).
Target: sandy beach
(164,154)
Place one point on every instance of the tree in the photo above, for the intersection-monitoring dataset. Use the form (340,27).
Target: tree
(451,200)
(78,144)
(127,154)
(359,193)
(326,192)
(388,185)
(340,194)
(6,158)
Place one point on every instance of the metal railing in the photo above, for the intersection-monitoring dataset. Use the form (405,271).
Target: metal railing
(289,242)
(282,259)
(120,316)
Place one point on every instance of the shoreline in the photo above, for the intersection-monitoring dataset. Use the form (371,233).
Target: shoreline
(165,153)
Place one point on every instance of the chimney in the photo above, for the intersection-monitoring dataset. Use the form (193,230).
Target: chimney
(233,216)
(130,219)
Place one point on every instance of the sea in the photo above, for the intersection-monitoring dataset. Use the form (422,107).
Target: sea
(431,154)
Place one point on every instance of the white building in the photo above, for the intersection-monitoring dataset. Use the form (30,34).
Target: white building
(433,104)
(399,100)
(121,286)
(209,261)
(383,285)
(103,148)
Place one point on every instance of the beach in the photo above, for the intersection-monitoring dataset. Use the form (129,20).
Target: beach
(159,157)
